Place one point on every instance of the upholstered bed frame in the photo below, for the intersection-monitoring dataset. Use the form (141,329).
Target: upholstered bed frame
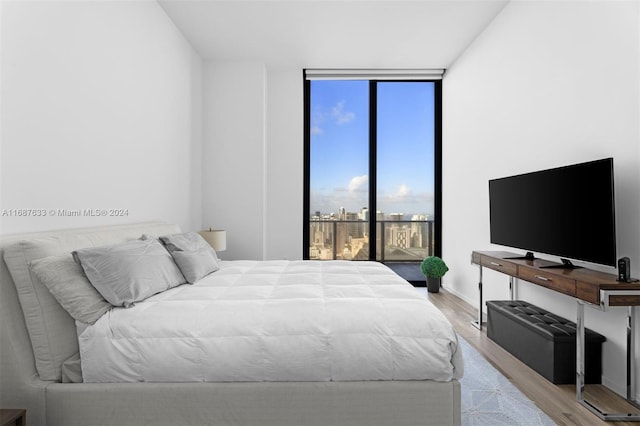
(50,402)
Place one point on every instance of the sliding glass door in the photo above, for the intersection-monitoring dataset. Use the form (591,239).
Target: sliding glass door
(405,170)
(372,152)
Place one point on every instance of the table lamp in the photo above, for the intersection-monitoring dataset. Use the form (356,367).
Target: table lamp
(217,238)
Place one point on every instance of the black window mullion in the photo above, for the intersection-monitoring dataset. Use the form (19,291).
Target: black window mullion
(373,161)
(438,168)
(306,210)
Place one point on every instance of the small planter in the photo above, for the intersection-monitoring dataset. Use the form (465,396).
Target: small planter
(433,269)
(433,284)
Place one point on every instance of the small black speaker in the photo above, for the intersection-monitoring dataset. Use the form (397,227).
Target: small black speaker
(624,269)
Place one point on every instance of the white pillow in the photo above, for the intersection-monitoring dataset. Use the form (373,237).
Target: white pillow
(66,281)
(193,255)
(129,272)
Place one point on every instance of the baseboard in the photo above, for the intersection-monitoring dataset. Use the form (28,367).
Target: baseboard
(620,390)
(461,296)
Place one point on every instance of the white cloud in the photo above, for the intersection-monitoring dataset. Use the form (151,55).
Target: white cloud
(403,191)
(402,194)
(340,115)
(358,183)
(404,199)
(354,196)
(330,202)
(317,118)
(336,114)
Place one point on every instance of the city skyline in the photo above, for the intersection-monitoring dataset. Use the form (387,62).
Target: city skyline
(346,236)
(386,215)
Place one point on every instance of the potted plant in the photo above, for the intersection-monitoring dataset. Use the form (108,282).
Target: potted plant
(434,269)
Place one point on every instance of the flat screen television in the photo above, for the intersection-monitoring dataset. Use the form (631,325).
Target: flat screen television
(566,211)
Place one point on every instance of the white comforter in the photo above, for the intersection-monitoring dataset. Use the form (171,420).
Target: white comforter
(276,321)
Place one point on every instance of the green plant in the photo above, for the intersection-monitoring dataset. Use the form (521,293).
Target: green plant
(433,267)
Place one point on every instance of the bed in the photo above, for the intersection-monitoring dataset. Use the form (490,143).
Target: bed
(312,343)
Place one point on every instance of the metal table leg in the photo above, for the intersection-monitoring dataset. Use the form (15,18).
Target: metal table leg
(512,288)
(580,344)
(478,323)
(631,357)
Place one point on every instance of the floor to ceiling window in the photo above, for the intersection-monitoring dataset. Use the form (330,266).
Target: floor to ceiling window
(372,169)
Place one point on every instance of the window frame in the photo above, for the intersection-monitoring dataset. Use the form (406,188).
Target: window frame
(306,210)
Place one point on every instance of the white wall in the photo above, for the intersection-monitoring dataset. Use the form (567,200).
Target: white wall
(234,155)
(101,109)
(285,168)
(252,176)
(547,84)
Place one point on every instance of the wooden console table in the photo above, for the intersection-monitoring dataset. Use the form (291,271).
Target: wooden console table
(592,288)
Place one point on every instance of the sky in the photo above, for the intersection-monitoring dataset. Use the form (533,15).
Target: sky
(340,146)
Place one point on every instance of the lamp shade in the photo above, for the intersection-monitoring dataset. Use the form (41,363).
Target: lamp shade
(217,238)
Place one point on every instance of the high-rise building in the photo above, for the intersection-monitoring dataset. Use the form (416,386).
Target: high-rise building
(419,233)
(364,214)
(401,237)
(354,228)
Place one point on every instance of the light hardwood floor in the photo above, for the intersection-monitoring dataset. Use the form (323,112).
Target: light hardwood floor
(557,401)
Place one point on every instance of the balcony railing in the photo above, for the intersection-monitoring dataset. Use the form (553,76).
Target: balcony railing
(409,240)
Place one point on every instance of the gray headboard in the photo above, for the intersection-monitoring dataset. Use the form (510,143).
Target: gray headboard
(20,383)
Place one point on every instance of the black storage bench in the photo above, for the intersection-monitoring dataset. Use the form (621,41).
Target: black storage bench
(543,341)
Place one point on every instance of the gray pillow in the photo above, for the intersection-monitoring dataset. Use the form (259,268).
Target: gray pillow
(193,255)
(129,272)
(67,283)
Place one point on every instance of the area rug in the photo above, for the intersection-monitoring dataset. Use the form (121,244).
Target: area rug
(489,399)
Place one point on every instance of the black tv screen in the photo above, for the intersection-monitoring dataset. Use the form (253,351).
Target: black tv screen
(566,211)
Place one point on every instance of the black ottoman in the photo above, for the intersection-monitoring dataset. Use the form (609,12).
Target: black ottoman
(543,341)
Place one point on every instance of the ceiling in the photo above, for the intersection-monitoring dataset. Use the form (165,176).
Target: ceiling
(333,33)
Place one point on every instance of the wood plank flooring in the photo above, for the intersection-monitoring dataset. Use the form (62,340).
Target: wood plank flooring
(557,401)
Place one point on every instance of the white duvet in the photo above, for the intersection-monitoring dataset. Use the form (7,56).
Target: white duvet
(276,321)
